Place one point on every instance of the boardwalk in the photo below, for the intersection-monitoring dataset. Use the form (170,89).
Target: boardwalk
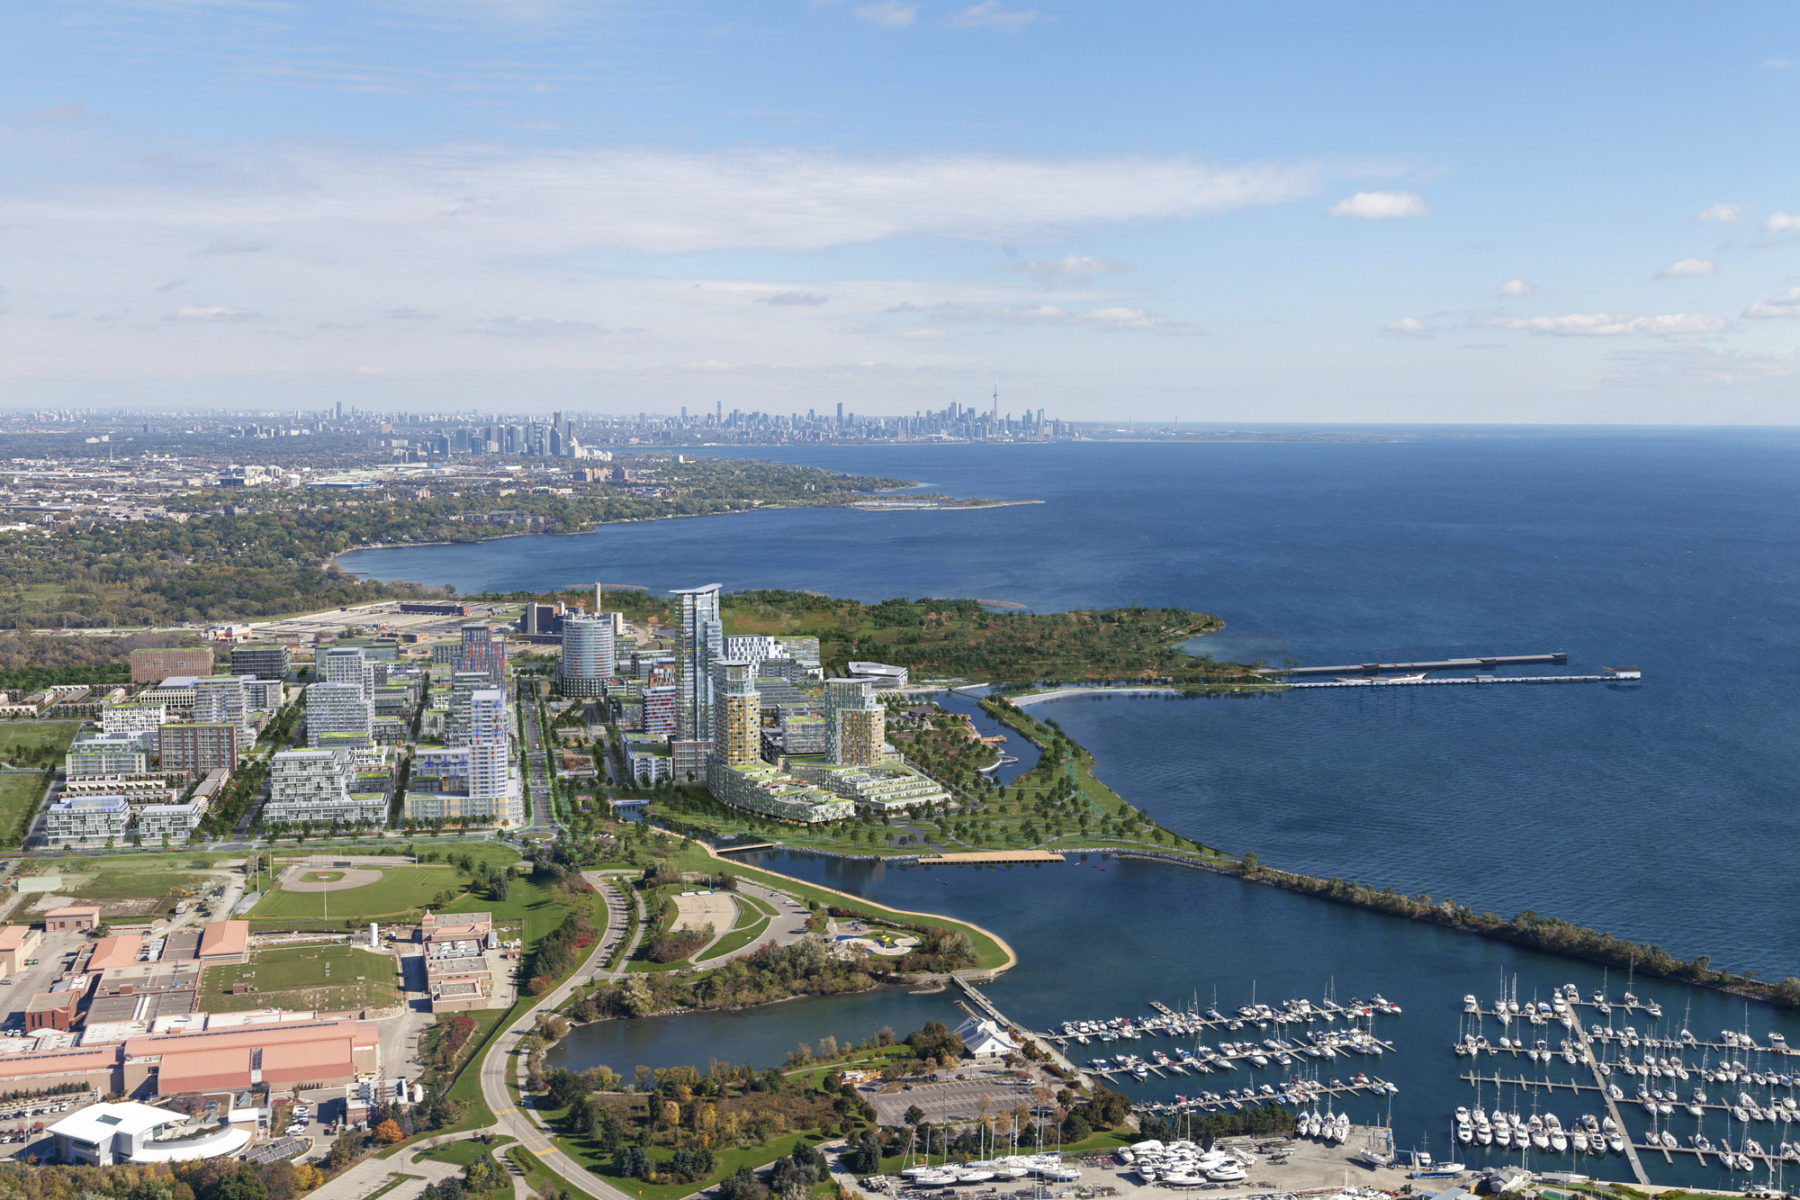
(990,856)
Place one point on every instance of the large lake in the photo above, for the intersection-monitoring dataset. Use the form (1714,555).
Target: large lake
(1663,812)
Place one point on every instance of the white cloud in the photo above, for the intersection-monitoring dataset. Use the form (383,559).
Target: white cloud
(1075,269)
(234,246)
(536,327)
(496,203)
(215,312)
(1676,325)
(1381,206)
(1723,213)
(1687,267)
(925,335)
(795,297)
(990,14)
(1783,222)
(1777,64)
(1785,305)
(1517,287)
(1112,319)
(1410,327)
(887,14)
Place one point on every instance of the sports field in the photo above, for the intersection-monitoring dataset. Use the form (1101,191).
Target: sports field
(20,795)
(327,978)
(399,890)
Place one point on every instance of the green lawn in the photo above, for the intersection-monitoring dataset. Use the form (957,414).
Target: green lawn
(988,952)
(36,743)
(20,795)
(400,889)
(120,881)
(738,938)
(304,977)
(463,1152)
(583,1151)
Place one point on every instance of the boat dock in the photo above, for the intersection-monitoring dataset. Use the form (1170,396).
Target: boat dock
(1593,1063)
(1558,657)
(960,857)
(992,1011)
(1308,1092)
(1744,1044)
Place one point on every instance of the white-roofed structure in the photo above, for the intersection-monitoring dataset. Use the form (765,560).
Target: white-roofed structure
(983,1038)
(107,1134)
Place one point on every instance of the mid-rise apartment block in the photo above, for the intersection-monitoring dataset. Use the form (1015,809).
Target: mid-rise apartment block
(154,665)
(196,748)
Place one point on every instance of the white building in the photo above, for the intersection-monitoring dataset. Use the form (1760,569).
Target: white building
(222,699)
(139,719)
(885,678)
(337,708)
(173,821)
(317,787)
(86,818)
(983,1038)
(108,754)
(104,1135)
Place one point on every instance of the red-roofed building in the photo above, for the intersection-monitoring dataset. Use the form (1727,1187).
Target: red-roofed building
(225,942)
(119,951)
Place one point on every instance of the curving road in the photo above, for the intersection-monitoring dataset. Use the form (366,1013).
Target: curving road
(523,1124)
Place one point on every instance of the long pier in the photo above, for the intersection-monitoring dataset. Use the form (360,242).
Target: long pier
(1443,664)
(1447,680)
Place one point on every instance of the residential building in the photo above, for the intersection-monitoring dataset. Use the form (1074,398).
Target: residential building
(661,711)
(699,639)
(133,719)
(855,723)
(320,787)
(587,655)
(86,819)
(802,733)
(337,709)
(264,695)
(484,651)
(149,666)
(737,733)
(222,698)
(108,754)
(768,790)
(173,821)
(647,759)
(266,660)
(350,666)
(887,787)
(194,749)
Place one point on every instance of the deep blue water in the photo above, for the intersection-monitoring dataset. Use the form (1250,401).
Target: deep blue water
(1662,812)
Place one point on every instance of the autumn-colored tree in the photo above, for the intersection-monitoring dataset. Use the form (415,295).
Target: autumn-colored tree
(388,1132)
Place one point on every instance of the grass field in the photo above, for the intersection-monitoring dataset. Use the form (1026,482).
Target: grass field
(36,743)
(399,890)
(464,1152)
(304,977)
(20,794)
(585,1152)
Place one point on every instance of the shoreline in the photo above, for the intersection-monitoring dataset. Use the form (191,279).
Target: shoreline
(330,562)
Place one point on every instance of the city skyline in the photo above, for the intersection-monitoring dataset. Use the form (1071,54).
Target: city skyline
(1296,214)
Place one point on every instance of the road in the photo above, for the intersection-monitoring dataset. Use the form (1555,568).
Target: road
(538,798)
(509,1119)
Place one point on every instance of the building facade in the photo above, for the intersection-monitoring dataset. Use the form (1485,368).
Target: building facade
(588,660)
(855,723)
(266,660)
(194,749)
(153,666)
(318,787)
(86,819)
(335,709)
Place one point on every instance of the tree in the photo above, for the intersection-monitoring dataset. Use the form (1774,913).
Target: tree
(388,1132)
(914,1114)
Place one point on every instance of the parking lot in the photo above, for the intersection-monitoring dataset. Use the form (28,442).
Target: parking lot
(954,1101)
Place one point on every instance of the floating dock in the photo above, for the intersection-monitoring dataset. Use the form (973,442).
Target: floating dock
(957,858)
(1558,657)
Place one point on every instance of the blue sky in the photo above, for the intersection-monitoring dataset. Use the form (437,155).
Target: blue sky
(1281,212)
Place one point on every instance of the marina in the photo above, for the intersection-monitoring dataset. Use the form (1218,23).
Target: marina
(1604,1053)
